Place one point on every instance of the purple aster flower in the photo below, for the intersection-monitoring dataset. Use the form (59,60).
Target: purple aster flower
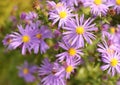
(70,66)
(31,16)
(115,34)
(26,71)
(71,52)
(41,34)
(57,33)
(25,38)
(23,15)
(51,73)
(7,40)
(54,5)
(98,7)
(78,30)
(108,47)
(70,2)
(111,32)
(104,30)
(112,63)
(61,15)
(116,5)
(56,47)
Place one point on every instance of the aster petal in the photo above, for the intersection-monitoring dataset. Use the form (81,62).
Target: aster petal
(113,71)
(105,67)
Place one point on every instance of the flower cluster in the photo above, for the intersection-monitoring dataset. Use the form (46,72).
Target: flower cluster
(109,49)
(30,36)
(57,73)
(75,31)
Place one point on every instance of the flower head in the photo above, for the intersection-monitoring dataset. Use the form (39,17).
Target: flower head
(70,66)
(26,71)
(79,29)
(71,52)
(104,30)
(52,73)
(61,15)
(111,32)
(7,40)
(23,15)
(98,7)
(112,63)
(116,5)
(108,47)
(24,38)
(54,5)
(29,17)
(41,34)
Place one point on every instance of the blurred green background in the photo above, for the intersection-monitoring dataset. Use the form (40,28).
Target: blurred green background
(9,16)
(87,74)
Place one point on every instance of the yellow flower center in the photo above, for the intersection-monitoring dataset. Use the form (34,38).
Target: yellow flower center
(69,69)
(110,51)
(25,38)
(25,71)
(98,2)
(38,36)
(63,14)
(114,62)
(112,30)
(80,30)
(72,51)
(118,2)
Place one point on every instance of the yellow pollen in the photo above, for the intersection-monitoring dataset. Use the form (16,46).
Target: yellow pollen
(38,36)
(110,51)
(118,2)
(112,30)
(98,2)
(25,71)
(63,14)
(80,30)
(72,51)
(25,38)
(114,62)
(69,69)
(59,5)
